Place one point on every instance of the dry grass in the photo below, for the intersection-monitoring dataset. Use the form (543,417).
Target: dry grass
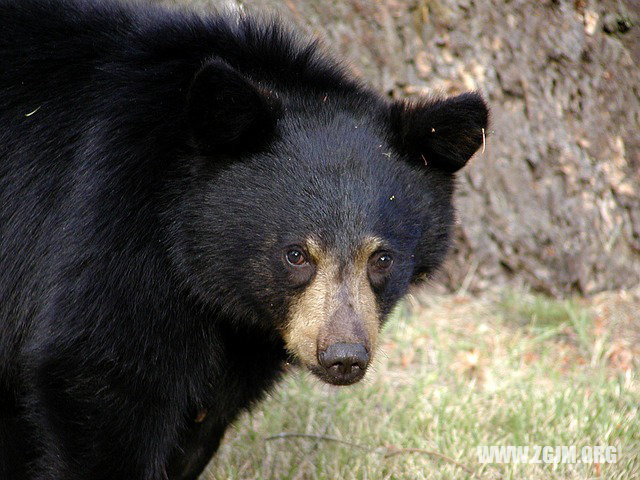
(457,372)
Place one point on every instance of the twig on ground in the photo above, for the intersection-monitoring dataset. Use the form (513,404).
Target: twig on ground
(392,452)
(317,437)
(386,451)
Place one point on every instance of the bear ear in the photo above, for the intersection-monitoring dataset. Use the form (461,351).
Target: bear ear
(443,133)
(227,111)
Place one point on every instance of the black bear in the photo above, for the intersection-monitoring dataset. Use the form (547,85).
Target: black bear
(188,202)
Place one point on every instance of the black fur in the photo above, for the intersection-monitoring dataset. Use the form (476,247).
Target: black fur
(153,165)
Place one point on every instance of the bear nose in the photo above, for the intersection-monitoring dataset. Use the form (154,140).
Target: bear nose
(344,363)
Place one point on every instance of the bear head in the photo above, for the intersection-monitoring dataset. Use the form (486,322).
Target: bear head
(312,207)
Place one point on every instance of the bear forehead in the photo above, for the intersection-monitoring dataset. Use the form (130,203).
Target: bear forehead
(345,154)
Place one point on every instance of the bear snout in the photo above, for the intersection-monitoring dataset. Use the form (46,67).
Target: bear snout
(344,363)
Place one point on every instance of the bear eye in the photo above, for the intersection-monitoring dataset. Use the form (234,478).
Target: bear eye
(296,257)
(381,261)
